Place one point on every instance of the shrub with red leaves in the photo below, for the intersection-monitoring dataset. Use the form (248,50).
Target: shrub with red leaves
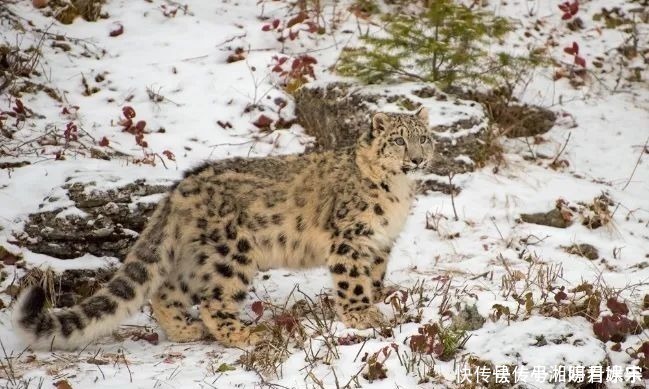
(299,72)
(170,156)
(427,341)
(128,126)
(258,309)
(18,112)
(376,369)
(71,132)
(574,51)
(104,142)
(569,9)
(291,28)
(615,327)
(616,306)
(287,321)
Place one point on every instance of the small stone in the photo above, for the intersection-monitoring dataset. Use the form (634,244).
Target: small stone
(554,218)
(468,319)
(584,250)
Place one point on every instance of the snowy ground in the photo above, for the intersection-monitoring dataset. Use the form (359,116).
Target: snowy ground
(484,258)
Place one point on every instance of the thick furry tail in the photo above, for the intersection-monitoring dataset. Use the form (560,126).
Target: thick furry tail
(133,283)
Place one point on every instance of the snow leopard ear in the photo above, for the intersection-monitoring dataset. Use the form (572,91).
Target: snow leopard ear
(422,114)
(379,122)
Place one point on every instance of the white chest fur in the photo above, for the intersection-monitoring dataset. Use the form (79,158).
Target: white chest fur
(395,205)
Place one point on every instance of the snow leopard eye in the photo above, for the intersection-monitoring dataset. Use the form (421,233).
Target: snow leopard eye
(423,139)
(399,141)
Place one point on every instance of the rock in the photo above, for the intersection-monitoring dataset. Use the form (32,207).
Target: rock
(523,121)
(468,319)
(337,113)
(512,118)
(69,287)
(554,218)
(425,186)
(584,250)
(107,225)
(13,165)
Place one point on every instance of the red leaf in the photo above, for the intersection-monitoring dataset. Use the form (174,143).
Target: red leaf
(266,27)
(644,348)
(574,7)
(307,59)
(616,306)
(126,123)
(568,50)
(258,309)
(170,156)
(263,122)
(286,321)
(575,47)
(566,16)
(117,30)
(140,125)
(104,142)
(299,18)
(128,112)
(615,327)
(580,61)
(151,337)
(275,23)
(560,296)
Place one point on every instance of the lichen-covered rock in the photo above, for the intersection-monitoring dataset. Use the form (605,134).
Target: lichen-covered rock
(468,319)
(553,218)
(583,250)
(68,287)
(337,113)
(512,118)
(101,222)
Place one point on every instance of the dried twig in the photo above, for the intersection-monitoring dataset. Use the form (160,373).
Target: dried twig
(642,151)
(556,158)
(450,184)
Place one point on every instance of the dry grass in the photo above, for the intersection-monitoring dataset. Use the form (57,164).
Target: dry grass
(293,327)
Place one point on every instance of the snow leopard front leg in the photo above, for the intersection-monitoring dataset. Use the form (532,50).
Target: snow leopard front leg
(351,269)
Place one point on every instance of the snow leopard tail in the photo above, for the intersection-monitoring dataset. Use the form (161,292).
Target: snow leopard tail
(132,285)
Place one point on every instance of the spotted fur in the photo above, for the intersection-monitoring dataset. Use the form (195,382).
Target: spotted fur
(228,219)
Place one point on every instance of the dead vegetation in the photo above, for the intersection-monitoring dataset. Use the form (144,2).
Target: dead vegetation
(306,324)
(67,11)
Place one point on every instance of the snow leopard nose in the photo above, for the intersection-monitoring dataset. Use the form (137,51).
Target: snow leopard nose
(417,160)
